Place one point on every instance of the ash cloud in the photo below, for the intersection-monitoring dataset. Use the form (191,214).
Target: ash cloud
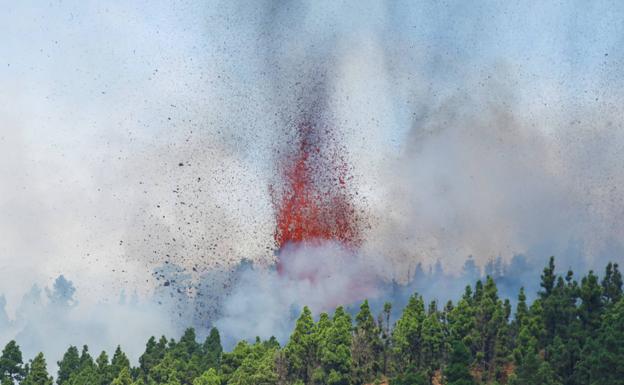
(478,178)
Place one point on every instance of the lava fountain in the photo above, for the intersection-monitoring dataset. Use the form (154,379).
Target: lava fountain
(314,204)
(317,237)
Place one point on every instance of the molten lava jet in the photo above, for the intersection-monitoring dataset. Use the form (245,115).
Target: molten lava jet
(314,204)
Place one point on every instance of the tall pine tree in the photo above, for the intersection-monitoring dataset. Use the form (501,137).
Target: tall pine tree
(38,373)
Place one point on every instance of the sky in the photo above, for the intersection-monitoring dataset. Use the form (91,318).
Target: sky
(134,132)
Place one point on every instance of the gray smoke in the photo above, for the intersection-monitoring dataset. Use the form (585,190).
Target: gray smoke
(322,276)
(51,320)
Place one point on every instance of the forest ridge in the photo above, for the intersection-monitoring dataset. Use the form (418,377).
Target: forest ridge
(571,334)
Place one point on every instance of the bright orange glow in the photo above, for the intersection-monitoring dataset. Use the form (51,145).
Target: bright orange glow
(314,205)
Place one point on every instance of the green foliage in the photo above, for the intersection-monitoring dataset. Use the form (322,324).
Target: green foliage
(531,367)
(11,365)
(209,377)
(410,376)
(490,327)
(154,353)
(38,372)
(68,365)
(119,362)
(384,324)
(123,378)
(232,361)
(335,349)
(300,351)
(572,334)
(103,369)
(591,308)
(457,372)
(257,368)
(86,376)
(407,335)
(433,341)
(603,357)
(548,279)
(461,319)
(612,284)
(365,347)
(212,349)
(85,358)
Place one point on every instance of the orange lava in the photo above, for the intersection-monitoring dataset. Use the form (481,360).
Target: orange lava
(315,204)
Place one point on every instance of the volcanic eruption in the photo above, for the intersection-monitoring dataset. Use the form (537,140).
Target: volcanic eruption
(313,203)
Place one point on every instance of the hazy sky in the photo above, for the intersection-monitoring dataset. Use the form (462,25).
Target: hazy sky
(101,101)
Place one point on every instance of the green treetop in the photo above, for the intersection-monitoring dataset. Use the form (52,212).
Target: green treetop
(38,373)
(11,365)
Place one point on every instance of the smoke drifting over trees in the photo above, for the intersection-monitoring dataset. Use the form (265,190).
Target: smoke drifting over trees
(571,333)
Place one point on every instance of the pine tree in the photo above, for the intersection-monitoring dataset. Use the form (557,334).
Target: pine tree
(300,349)
(558,310)
(212,349)
(335,353)
(85,358)
(188,357)
(503,346)
(489,320)
(87,373)
(231,361)
(119,362)
(103,369)
(591,307)
(433,342)
(563,334)
(258,366)
(457,372)
(150,358)
(365,347)
(385,335)
(123,378)
(11,364)
(612,284)
(531,367)
(461,321)
(548,279)
(602,358)
(86,376)
(407,335)
(38,372)
(522,310)
(68,365)
(319,376)
(209,377)
(168,370)
(187,346)
(411,376)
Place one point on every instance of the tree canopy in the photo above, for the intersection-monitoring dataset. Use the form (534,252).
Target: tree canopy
(572,334)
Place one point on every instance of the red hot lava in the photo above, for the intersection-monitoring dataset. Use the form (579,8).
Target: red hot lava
(314,204)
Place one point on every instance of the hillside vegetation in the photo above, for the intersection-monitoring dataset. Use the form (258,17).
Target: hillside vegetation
(572,334)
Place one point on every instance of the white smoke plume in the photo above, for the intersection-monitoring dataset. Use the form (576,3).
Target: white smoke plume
(322,276)
(51,320)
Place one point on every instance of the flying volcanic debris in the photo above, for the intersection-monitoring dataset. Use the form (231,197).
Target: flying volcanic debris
(314,204)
